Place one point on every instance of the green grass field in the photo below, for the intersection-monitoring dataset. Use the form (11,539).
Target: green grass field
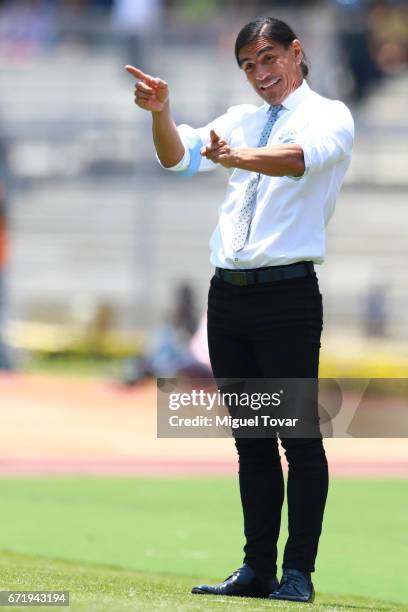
(139,544)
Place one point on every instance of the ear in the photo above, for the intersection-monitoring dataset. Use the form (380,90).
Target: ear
(297,50)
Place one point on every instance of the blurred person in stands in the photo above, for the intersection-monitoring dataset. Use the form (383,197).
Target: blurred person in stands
(375,311)
(135,22)
(355,42)
(5,363)
(174,347)
(26,26)
(287,160)
(388,26)
(373,39)
(185,315)
(5,358)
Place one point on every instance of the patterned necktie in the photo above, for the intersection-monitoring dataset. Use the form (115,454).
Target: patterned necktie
(248,205)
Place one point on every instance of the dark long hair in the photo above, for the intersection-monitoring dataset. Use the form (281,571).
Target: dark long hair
(271,28)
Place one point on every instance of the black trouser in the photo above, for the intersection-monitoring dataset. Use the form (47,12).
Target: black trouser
(273,330)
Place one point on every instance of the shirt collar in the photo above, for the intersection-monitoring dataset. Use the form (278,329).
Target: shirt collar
(297,96)
(293,99)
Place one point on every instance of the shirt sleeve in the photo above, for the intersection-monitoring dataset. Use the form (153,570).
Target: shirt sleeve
(195,138)
(182,164)
(329,142)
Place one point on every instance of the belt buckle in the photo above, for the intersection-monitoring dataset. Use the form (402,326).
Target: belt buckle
(240,278)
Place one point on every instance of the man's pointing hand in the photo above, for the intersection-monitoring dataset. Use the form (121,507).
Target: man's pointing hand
(218,151)
(151,93)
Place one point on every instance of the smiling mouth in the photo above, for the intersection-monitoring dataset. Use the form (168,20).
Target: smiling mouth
(270,84)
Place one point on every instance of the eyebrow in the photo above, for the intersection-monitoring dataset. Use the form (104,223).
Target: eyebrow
(258,53)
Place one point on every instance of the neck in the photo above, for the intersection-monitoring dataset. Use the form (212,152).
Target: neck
(294,87)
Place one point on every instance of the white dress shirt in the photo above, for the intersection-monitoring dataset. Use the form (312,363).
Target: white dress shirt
(291,213)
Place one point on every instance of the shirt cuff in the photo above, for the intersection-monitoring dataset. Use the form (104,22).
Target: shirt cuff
(182,165)
(307,161)
(307,156)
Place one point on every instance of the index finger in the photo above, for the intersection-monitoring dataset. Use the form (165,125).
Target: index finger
(214,136)
(138,74)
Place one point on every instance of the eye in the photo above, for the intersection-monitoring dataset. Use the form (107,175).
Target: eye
(270,58)
(247,67)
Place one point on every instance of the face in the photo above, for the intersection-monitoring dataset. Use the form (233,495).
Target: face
(273,71)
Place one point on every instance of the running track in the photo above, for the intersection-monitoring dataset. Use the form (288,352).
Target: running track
(64,426)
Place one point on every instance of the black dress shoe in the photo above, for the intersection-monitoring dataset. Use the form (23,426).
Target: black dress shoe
(294,586)
(242,583)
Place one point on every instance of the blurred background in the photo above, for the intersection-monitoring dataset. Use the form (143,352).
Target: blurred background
(95,237)
(104,273)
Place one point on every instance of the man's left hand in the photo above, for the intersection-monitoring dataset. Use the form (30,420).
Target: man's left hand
(218,151)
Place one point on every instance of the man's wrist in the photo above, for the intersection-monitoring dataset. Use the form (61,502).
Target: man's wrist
(237,158)
(165,111)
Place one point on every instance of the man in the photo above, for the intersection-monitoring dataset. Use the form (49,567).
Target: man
(289,157)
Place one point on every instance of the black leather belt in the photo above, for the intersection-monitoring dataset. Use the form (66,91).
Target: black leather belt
(265,275)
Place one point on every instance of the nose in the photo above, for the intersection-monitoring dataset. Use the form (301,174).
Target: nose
(262,73)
